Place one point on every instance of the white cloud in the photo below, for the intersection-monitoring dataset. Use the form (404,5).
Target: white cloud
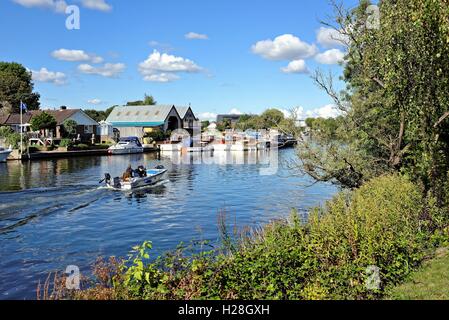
(331,38)
(296,66)
(76,55)
(165,68)
(327,111)
(333,56)
(196,36)
(284,47)
(100,5)
(56,5)
(94,101)
(108,70)
(235,111)
(161,77)
(44,75)
(207,116)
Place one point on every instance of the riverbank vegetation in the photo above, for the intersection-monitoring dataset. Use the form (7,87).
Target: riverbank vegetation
(384,226)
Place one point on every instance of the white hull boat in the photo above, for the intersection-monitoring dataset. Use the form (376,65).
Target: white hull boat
(4,154)
(170,147)
(152,177)
(222,147)
(128,145)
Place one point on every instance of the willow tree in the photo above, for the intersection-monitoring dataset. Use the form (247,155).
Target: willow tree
(396,101)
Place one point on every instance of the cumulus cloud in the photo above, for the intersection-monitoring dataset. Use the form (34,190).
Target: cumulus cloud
(94,101)
(76,55)
(235,111)
(60,5)
(55,5)
(333,56)
(331,38)
(284,47)
(44,75)
(296,66)
(196,36)
(108,70)
(327,111)
(100,5)
(207,116)
(163,67)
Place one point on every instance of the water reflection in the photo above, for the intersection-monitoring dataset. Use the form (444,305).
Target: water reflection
(54,213)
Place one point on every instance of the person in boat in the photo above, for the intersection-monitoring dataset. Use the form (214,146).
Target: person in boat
(128,174)
(141,171)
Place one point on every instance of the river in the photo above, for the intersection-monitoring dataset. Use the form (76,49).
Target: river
(54,213)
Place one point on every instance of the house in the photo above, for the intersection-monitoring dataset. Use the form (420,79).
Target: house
(189,121)
(138,120)
(86,126)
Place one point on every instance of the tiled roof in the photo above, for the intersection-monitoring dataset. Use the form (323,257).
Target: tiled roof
(139,114)
(60,116)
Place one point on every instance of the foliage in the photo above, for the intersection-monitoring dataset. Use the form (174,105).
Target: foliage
(43,120)
(65,143)
(205,124)
(11,138)
(99,115)
(147,101)
(158,135)
(69,127)
(15,86)
(385,223)
(395,104)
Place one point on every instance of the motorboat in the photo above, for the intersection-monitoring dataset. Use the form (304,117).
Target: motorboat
(126,145)
(4,153)
(170,147)
(137,181)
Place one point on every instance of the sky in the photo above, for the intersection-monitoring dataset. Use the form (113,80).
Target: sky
(222,56)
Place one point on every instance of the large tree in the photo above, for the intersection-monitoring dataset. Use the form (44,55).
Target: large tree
(16,85)
(147,101)
(396,103)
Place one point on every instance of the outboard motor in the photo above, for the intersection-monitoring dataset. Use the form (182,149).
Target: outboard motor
(107,178)
(117,183)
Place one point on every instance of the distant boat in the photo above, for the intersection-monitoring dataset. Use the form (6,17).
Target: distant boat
(4,153)
(127,145)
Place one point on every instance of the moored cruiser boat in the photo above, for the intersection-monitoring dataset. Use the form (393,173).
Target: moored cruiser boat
(4,153)
(147,178)
(127,145)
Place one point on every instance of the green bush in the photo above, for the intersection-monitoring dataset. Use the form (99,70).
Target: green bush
(65,143)
(386,224)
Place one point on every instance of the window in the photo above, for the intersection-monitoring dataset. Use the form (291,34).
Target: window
(89,129)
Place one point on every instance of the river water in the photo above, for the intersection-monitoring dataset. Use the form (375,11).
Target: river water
(54,213)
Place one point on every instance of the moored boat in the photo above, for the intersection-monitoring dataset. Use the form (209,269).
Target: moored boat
(126,145)
(4,153)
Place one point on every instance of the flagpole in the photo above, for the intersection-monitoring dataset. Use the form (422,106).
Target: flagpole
(21,130)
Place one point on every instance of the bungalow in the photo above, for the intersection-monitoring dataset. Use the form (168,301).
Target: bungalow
(86,126)
(138,120)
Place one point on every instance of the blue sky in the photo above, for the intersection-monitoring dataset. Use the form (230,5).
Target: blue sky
(241,55)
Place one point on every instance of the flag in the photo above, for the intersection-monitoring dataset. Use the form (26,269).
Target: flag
(23,107)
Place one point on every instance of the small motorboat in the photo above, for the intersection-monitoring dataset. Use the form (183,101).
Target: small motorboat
(126,145)
(137,181)
(4,153)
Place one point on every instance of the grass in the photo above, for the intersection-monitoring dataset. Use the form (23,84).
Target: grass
(431,282)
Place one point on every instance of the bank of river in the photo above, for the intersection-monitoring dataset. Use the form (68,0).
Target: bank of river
(53,213)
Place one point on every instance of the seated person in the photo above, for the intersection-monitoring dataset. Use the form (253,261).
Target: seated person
(128,174)
(141,172)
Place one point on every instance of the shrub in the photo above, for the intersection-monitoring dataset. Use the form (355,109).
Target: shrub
(385,224)
(65,143)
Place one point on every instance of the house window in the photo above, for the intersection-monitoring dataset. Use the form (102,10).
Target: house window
(89,129)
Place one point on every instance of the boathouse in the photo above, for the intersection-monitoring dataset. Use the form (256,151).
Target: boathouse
(138,120)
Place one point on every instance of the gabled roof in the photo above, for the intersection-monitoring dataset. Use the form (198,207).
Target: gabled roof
(59,115)
(183,111)
(140,114)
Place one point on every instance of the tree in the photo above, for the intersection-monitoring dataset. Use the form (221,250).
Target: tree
(395,105)
(147,101)
(271,118)
(69,126)
(99,115)
(42,121)
(15,86)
